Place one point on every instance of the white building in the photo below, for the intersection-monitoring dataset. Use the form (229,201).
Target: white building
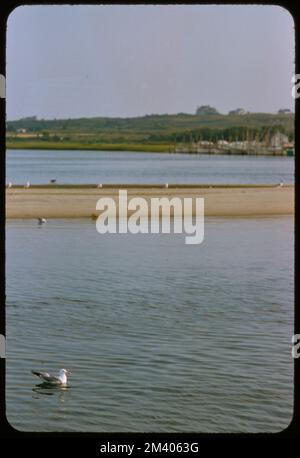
(279,140)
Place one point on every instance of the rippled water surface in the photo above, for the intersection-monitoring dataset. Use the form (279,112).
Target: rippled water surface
(159,335)
(128,167)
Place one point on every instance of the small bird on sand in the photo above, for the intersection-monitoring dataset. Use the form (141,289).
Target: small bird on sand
(55,380)
(9,185)
(99,185)
(27,185)
(42,221)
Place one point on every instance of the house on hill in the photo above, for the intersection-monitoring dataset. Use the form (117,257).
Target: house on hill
(237,111)
(284,111)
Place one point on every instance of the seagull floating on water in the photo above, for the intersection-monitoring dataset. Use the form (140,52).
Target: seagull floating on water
(55,380)
(42,221)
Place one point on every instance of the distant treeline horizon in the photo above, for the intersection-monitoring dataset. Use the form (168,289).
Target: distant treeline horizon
(148,115)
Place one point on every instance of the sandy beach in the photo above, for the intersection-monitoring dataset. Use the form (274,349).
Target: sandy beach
(73,201)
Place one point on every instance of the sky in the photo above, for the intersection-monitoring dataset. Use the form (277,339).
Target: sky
(132,60)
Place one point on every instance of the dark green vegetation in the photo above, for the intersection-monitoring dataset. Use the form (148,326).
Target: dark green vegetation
(147,133)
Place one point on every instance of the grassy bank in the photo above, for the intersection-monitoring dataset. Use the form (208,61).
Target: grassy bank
(62,145)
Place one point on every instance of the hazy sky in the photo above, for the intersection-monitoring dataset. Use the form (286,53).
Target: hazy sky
(84,61)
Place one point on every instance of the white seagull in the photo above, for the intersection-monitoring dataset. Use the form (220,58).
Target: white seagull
(27,185)
(42,221)
(9,185)
(55,380)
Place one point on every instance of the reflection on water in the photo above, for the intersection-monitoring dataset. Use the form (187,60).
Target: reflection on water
(45,389)
(160,335)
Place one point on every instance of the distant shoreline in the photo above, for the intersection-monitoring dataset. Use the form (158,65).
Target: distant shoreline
(145,148)
(76,201)
(181,132)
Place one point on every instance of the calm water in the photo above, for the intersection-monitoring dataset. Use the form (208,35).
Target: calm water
(159,335)
(126,167)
